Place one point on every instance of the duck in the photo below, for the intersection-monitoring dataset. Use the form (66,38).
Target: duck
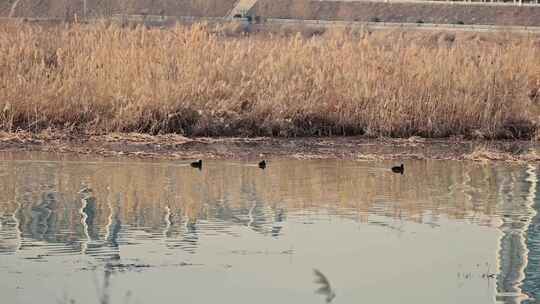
(197,164)
(262,164)
(398,169)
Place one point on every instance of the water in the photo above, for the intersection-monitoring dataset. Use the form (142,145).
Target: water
(121,231)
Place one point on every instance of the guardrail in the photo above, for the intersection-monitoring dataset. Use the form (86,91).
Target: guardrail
(159,18)
(425,26)
(447,2)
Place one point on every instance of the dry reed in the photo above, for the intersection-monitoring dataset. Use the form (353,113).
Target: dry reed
(199,81)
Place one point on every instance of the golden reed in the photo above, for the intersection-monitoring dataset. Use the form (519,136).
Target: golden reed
(203,80)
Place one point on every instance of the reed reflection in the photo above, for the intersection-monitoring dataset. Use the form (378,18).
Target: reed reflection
(88,205)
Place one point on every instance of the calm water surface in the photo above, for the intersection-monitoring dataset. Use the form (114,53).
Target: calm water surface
(117,231)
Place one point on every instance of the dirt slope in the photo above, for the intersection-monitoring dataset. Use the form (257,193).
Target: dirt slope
(399,12)
(61,8)
(299,9)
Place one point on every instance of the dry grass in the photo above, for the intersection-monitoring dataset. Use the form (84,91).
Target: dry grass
(204,81)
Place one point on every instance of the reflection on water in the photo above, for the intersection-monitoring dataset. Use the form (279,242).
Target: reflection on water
(295,215)
(325,288)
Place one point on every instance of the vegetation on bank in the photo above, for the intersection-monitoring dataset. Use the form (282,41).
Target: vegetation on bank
(210,81)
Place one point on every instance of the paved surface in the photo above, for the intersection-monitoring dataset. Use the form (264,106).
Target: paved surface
(241,7)
(13,8)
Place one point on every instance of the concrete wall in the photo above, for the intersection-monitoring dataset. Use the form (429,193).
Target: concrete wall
(401,12)
(97,8)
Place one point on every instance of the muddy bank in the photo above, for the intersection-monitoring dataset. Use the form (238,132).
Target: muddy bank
(135,145)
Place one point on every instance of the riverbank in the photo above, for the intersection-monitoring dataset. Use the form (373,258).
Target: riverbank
(176,147)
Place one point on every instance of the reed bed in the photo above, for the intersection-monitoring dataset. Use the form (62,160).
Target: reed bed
(206,80)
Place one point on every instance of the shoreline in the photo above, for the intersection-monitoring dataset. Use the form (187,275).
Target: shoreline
(177,147)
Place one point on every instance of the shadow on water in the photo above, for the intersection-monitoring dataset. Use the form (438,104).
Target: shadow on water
(88,209)
(324,286)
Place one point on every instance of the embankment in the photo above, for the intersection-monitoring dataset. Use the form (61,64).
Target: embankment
(400,12)
(100,8)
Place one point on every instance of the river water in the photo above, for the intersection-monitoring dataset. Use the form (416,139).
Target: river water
(83,230)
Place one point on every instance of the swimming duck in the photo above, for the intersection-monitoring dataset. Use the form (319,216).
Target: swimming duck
(262,164)
(398,169)
(197,164)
